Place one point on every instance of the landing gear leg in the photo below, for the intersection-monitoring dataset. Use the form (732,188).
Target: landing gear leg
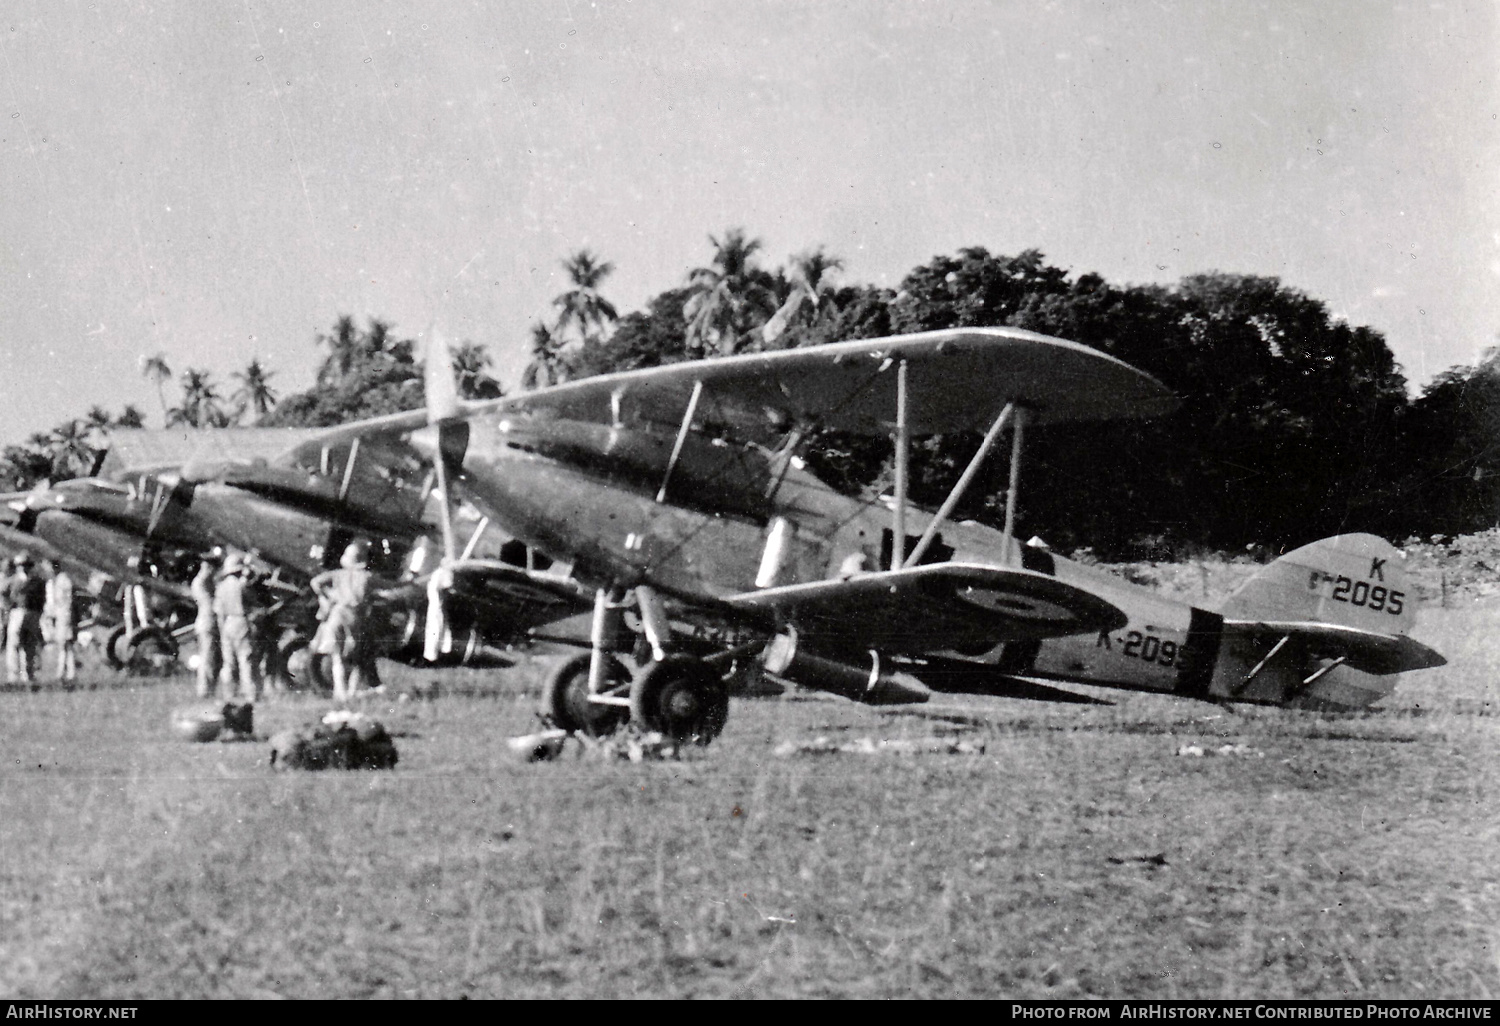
(566,696)
(587,693)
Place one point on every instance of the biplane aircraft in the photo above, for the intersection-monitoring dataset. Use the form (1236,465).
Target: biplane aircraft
(678,489)
(160,500)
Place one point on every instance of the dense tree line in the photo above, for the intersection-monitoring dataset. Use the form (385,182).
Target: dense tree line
(1293,423)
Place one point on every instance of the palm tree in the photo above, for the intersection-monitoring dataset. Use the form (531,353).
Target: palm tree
(811,268)
(72,455)
(377,341)
(547,366)
(200,402)
(255,391)
(155,369)
(343,350)
(130,417)
(809,272)
(469,362)
(582,305)
(22,466)
(728,297)
(98,420)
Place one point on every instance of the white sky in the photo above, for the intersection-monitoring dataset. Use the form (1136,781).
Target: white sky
(222,180)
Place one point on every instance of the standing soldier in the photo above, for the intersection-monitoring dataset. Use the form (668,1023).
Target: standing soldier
(230,606)
(206,627)
(60,615)
(345,635)
(5,571)
(23,642)
(261,611)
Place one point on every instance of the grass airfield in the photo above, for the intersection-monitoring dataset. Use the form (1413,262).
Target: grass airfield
(1080,856)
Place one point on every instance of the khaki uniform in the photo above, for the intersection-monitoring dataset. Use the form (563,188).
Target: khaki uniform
(59,614)
(206,627)
(234,639)
(4,609)
(345,633)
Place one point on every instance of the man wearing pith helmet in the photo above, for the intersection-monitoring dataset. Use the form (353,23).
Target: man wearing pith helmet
(23,643)
(60,617)
(234,631)
(345,634)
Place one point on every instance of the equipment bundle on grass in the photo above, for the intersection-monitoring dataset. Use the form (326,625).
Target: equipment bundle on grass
(233,721)
(341,741)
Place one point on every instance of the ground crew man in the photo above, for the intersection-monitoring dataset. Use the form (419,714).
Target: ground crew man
(230,607)
(206,627)
(23,641)
(59,614)
(261,610)
(5,600)
(345,633)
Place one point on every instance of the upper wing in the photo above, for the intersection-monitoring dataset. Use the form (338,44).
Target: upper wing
(373,480)
(137,451)
(1370,651)
(936,606)
(957,379)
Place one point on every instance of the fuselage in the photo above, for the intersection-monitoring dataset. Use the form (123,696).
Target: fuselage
(737,517)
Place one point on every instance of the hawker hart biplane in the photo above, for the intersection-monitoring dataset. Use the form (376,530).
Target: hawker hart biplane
(679,489)
(160,500)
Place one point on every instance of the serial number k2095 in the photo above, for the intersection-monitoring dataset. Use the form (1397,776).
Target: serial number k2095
(1358,593)
(1145,647)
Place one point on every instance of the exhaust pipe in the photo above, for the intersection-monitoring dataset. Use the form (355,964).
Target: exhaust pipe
(867,684)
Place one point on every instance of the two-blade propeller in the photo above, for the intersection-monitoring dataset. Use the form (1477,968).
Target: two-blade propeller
(444,414)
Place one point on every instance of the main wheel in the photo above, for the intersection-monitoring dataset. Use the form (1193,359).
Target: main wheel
(565,696)
(114,655)
(149,652)
(681,697)
(303,669)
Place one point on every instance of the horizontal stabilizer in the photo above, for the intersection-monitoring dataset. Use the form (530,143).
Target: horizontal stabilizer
(1370,651)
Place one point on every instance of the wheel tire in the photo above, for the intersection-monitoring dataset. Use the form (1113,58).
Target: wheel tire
(150,652)
(112,654)
(302,669)
(565,697)
(681,697)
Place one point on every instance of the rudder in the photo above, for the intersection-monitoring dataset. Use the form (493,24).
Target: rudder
(1354,580)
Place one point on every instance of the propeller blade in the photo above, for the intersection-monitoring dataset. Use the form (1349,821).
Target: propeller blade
(438,380)
(443,411)
(436,632)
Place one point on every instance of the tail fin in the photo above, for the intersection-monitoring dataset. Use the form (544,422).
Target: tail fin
(1351,580)
(1324,627)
